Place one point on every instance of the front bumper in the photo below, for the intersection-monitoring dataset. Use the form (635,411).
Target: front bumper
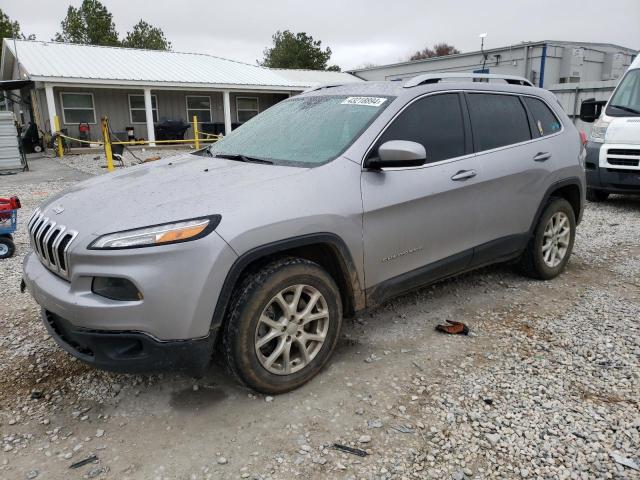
(129,352)
(613,180)
(179,283)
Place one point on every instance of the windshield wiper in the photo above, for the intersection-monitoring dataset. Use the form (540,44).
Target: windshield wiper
(626,109)
(242,158)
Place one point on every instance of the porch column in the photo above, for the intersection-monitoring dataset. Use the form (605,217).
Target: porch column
(226,103)
(51,106)
(148,108)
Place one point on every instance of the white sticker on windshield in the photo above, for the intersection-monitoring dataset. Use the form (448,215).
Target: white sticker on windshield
(367,101)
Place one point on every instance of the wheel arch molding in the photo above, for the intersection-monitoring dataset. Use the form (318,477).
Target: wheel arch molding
(571,190)
(326,249)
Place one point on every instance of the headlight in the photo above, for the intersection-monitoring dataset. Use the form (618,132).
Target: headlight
(163,234)
(599,130)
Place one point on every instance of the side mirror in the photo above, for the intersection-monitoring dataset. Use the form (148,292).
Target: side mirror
(590,109)
(398,153)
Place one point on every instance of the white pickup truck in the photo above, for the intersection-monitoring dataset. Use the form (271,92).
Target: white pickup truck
(613,148)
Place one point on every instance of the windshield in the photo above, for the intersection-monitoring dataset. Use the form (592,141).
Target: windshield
(626,99)
(303,131)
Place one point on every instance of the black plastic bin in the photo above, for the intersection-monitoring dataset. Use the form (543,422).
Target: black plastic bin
(171,130)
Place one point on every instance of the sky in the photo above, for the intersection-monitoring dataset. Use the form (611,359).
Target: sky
(359,32)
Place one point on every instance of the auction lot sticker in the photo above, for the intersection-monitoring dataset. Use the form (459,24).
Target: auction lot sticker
(367,101)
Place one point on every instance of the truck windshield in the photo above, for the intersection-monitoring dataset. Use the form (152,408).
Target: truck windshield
(303,131)
(626,99)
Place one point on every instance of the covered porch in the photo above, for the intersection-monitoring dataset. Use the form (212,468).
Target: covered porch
(143,112)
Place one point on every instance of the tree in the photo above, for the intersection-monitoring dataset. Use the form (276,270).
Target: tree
(439,50)
(146,36)
(9,29)
(91,24)
(296,51)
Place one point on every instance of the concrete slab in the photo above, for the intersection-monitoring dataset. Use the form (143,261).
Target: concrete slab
(44,169)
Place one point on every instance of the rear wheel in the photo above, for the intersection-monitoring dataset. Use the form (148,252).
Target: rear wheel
(283,325)
(550,247)
(7,247)
(596,195)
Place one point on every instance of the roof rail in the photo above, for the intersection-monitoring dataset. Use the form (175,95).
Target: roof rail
(438,77)
(325,85)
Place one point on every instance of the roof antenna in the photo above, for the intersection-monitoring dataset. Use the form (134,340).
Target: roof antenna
(484,55)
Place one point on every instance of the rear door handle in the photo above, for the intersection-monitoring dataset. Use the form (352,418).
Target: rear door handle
(464,175)
(542,156)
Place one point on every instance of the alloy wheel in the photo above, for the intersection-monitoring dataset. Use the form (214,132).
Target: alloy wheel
(292,329)
(556,238)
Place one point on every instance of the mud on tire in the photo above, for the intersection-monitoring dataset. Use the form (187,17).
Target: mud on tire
(264,317)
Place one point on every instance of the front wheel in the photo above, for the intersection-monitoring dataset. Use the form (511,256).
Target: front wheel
(283,325)
(7,247)
(550,247)
(596,195)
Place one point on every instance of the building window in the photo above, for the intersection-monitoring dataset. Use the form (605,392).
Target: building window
(77,108)
(199,106)
(137,111)
(246,108)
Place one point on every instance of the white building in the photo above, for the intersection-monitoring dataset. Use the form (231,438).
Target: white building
(545,63)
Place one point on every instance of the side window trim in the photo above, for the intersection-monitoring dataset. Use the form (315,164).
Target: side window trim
(469,146)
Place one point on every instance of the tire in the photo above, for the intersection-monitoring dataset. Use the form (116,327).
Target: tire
(596,195)
(541,264)
(7,247)
(256,328)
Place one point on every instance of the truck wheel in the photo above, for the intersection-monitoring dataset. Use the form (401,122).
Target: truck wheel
(550,247)
(596,195)
(7,247)
(283,324)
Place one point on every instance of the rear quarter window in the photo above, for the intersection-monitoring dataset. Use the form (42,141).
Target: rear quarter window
(544,120)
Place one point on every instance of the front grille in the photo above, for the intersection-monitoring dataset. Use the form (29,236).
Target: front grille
(51,242)
(624,157)
(623,162)
(623,151)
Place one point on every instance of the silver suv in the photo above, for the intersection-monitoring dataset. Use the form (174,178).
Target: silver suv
(325,204)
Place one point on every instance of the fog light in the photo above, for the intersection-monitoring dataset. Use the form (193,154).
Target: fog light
(116,289)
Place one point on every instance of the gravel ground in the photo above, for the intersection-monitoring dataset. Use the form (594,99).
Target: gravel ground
(547,385)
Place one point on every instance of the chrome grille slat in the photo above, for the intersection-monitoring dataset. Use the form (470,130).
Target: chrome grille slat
(38,232)
(34,216)
(55,245)
(45,242)
(46,237)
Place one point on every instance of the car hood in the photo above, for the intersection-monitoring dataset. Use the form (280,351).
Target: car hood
(175,188)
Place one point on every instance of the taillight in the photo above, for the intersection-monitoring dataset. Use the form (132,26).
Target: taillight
(583,149)
(583,138)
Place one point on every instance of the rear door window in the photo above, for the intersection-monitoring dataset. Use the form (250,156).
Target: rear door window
(436,122)
(497,120)
(545,122)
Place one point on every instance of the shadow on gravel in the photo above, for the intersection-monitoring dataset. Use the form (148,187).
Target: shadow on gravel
(190,399)
(632,202)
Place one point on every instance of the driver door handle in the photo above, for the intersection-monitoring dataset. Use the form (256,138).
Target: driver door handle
(464,175)
(542,156)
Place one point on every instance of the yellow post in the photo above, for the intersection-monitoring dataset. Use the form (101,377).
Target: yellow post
(107,143)
(56,125)
(196,133)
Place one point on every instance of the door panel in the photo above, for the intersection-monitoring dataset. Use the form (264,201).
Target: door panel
(416,217)
(515,168)
(513,185)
